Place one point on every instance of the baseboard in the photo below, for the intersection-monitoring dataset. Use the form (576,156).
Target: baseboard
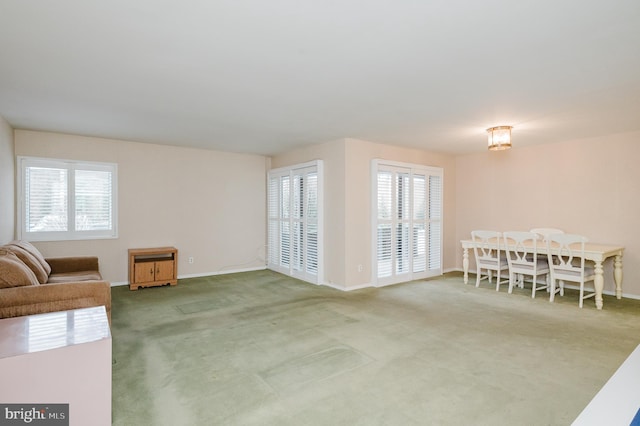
(607,292)
(223,272)
(629,296)
(204,274)
(389,284)
(342,288)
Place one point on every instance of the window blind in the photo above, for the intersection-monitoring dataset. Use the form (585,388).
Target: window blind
(408,216)
(295,221)
(64,199)
(46,199)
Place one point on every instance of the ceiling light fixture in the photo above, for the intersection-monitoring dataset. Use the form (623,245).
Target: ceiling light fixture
(499,138)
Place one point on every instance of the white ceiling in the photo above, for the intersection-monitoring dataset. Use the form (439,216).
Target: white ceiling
(262,76)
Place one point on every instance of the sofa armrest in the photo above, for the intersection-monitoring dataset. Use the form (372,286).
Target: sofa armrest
(63,265)
(38,299)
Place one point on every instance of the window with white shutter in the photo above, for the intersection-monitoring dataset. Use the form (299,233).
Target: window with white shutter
(66,200)
(407,221)
(295,225)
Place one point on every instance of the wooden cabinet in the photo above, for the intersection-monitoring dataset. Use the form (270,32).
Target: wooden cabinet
(149,267)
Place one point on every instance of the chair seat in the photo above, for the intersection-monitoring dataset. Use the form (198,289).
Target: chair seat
(493,262)
(573,275)
(541,265)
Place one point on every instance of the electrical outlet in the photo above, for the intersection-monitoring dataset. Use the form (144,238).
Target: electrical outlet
(360,268)
(191,260)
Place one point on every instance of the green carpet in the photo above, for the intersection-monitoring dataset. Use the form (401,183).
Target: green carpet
(259,348)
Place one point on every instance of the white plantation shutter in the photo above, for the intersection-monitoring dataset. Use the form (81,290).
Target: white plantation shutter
(298,222)
(285,222)
(273,230)
(419,223)
(94,200)
(295,226)
(66,200)
(435,223)
(385,207)
(46,199)
(403,220)
(311,263)
(408,221)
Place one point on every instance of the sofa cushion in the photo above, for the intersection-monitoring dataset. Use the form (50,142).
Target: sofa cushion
(74,276)
(34,252)
(63,265)
(13,272)
(28,259)
(38,299)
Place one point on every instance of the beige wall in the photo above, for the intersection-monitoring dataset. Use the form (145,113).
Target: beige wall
(587,186)
(208,204)
(348,203)
(211,205)
(7,183)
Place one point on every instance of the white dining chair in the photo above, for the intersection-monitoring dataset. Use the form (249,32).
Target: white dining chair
(489,256)
(566,260)
(522,256)
(544,232)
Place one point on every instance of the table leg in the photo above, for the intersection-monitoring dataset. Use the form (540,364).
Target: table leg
(617,275)
(599,283)
(465,264)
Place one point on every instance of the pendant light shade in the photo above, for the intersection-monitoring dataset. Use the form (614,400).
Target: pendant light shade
(499,138)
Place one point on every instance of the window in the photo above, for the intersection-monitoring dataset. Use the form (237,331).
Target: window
(295,221)
(407,221)
(66,200)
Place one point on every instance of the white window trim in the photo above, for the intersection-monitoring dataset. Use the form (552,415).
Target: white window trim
(375,166)
(290,171)
(25,161)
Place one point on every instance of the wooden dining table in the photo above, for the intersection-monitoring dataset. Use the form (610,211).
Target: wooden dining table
(597,253)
